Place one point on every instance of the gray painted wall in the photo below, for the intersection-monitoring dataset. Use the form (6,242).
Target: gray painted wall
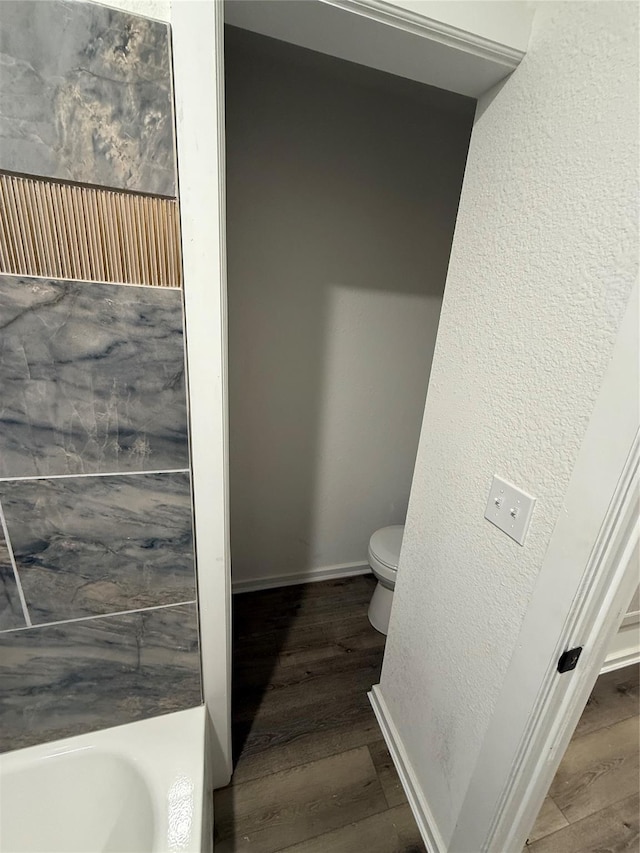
(342,191)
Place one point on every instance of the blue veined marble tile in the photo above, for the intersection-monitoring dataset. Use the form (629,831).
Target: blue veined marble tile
(77,677)
(85,95)
(92,378)
(11,615)
(93,545)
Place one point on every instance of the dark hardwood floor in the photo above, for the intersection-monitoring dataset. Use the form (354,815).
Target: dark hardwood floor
(593,805)
(312,774)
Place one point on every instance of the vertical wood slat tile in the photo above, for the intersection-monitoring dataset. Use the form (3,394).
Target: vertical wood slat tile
(164,227)
(90,227)
(120,242)
(60,230)
(130,229)
(142,239)
(108,237)
(157,215)
(15,226)
(125,241)
(38,254)
(148,227)
(171,213)
(60,234)
(98,219)
(73,236)
(51,232)
(155,269)
(22,211)
(44,249)
(81,229)
(9,255)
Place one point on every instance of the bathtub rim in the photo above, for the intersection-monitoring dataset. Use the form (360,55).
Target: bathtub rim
(163,749)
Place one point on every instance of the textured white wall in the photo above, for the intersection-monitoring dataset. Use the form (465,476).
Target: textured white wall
(543,261)
(342,188)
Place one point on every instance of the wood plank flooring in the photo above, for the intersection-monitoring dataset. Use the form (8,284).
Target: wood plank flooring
(593,804)
(312,774)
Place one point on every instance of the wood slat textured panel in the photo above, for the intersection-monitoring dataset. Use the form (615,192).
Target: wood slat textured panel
(56,230)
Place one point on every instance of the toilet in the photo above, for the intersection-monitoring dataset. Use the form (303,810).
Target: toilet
(384,552)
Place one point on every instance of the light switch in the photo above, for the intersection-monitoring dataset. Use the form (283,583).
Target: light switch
(509,508)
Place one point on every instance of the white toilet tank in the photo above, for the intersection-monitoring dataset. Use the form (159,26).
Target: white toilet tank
(385,544)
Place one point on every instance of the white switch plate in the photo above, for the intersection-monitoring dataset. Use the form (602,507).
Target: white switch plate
(509,508)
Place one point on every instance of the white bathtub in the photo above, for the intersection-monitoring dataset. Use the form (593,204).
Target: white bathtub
(138,788)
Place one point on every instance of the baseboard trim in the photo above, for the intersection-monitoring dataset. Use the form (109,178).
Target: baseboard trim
(625,648)
(324,573)
(631,618)
(419,806)
(620,661)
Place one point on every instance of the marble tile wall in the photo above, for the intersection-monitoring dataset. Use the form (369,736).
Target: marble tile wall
(85,95)
(91,545)
(11,613)
(97,578)
(98,615)
(92,376)
(75,677)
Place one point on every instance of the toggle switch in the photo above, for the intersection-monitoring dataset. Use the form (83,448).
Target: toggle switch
(509,508)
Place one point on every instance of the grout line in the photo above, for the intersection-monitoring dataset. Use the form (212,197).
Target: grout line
(97,474)
(171,288)
(23,601)
(98,616)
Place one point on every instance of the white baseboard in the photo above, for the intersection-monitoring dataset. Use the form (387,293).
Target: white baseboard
(625,648)
(324,573)
(419,806)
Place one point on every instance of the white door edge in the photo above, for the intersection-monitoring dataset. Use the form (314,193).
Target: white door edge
(599,608)
(596,617)
(198,53)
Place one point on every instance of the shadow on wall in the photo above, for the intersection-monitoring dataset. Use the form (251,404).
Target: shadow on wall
(342,190)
